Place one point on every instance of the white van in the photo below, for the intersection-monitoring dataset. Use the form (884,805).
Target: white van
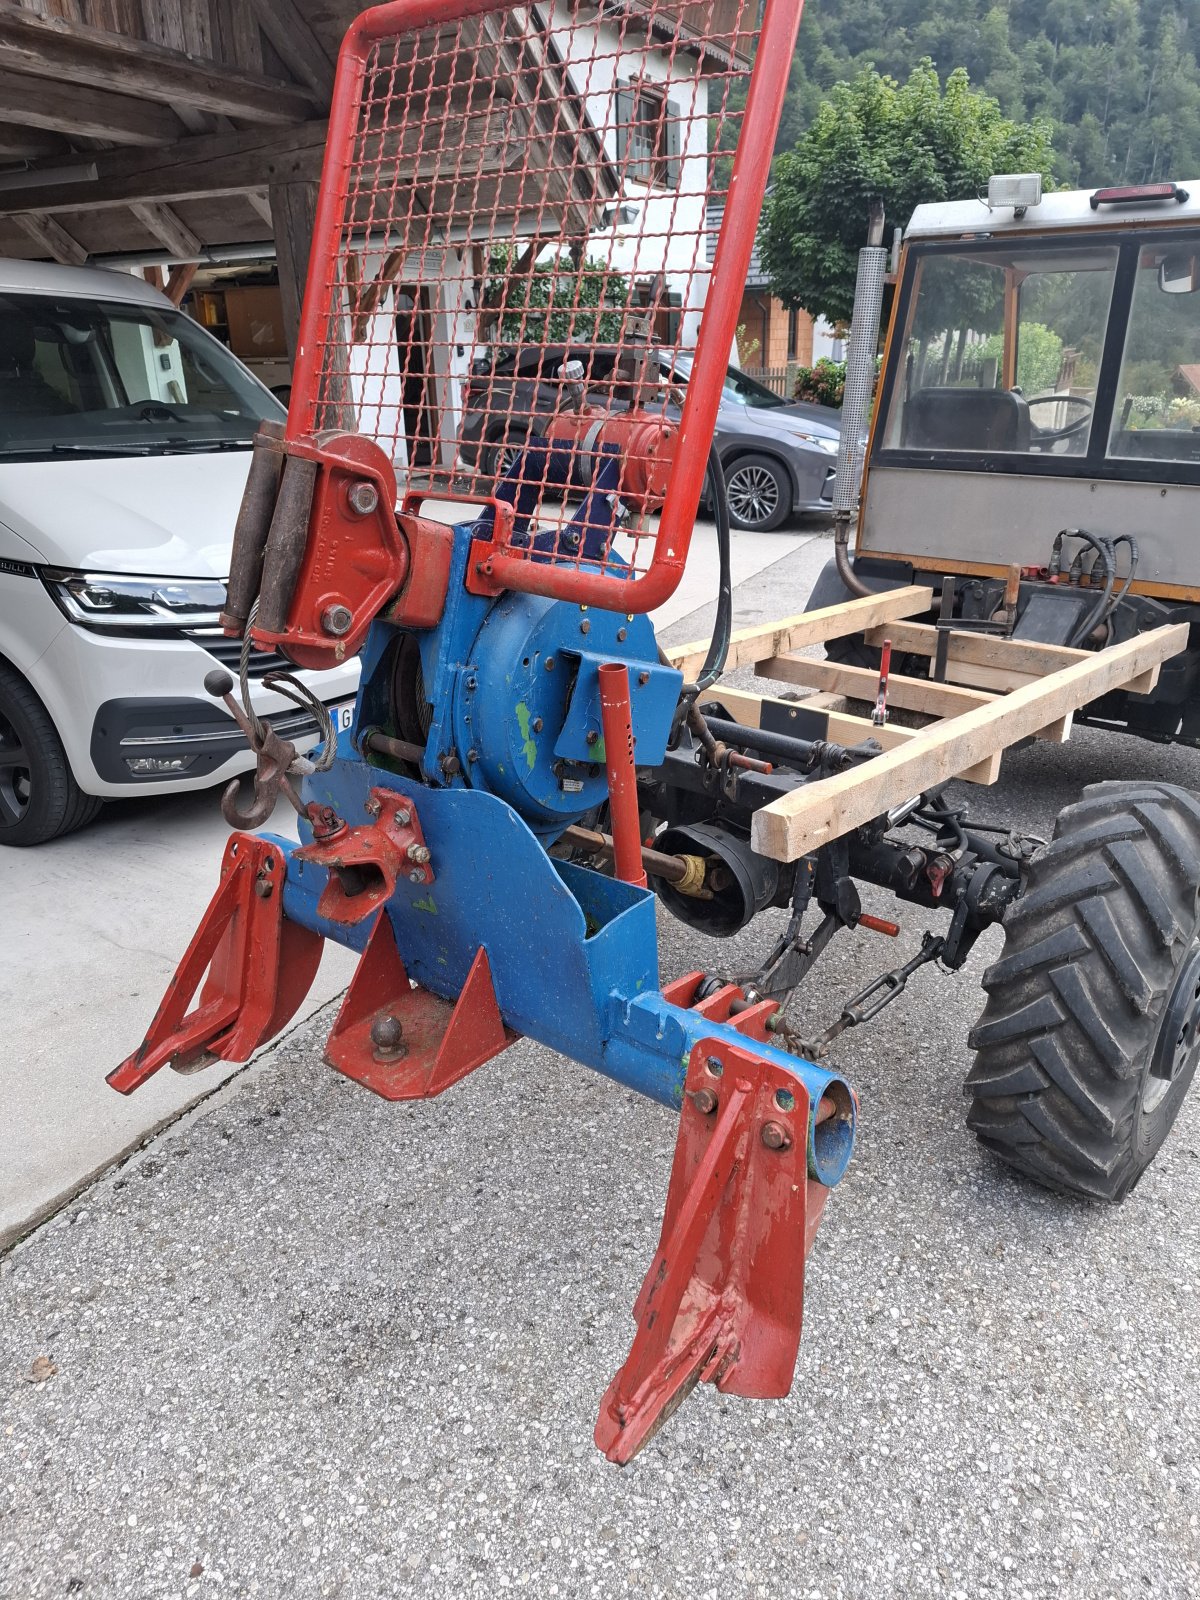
(125,435)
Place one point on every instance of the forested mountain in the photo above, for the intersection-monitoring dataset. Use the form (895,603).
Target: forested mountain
(1118,77)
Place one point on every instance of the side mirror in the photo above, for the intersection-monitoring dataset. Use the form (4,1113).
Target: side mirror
(1179,273)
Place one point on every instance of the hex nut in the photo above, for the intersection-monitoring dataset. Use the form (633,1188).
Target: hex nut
(336,619)
(363,497)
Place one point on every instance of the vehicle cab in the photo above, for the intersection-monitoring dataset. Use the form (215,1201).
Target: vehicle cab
(1042,377)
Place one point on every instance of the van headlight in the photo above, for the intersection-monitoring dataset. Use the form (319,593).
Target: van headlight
(115,603)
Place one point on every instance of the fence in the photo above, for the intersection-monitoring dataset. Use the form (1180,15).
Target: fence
(780,380)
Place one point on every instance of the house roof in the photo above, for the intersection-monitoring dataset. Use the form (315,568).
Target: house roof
(756,277)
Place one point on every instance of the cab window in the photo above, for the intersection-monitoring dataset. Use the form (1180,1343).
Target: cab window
(1157,411)
(1002,351)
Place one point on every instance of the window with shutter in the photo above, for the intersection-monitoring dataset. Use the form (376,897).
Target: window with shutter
(648,144)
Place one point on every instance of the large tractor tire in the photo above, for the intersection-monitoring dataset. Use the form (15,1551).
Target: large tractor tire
(1091,1032)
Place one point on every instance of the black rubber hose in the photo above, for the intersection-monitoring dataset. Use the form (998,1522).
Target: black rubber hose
(718,650)
(1100,609)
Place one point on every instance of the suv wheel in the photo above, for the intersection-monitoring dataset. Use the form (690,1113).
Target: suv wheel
(39,798)
(499,454)
(758,492)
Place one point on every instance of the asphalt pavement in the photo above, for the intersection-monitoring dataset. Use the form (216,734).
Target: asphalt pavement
(310,1344)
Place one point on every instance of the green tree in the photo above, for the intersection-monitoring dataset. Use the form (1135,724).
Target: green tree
(875,139)
(1118,79)
(554,303)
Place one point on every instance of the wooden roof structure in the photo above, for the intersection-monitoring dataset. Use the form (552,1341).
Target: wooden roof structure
(131,125)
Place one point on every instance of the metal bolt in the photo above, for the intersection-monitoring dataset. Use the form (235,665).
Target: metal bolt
(715,1066)
(704,1100)
(643,679)
(536,724)
(263,888)
(417,875)
(336,620)
(373,808)
(363,497)
(403,817)
(592,736)
(451,766)
(775,1136)
(387,1038)
(621,632)
(418,853)
(585,627)
(472,755)
(549,663)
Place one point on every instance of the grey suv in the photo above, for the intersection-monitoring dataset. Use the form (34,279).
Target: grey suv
(778,455)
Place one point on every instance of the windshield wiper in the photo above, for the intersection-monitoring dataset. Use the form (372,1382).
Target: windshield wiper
(73,449)
(171,446)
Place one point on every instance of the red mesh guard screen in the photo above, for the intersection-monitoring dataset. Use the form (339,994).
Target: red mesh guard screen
(527,269)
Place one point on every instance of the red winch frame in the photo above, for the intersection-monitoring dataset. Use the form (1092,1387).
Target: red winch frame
(498,565)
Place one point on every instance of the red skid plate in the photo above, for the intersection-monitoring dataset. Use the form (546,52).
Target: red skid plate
(724,1297)
(259,967)
(405,1043)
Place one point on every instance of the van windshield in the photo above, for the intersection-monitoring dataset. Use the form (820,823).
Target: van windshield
(94,378)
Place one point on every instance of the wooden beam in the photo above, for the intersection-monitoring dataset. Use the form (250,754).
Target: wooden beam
(981,649)
(70,53)
(169,228)
(54,240)
(30,144)
(860,683)
(213,164)
(295,43)
(259,202)
(842,729)
(88,113)
(818,812)
(180,282)
(748,645)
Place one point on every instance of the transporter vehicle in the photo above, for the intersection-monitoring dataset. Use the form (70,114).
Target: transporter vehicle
(528,774)
(125,437)
(777,455)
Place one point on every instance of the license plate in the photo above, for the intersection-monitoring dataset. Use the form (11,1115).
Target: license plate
(343,715)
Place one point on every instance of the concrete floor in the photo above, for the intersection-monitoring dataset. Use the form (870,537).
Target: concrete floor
(307,1344)
(94,924)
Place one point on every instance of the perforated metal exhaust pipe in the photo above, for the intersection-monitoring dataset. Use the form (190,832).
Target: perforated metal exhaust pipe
(860,385)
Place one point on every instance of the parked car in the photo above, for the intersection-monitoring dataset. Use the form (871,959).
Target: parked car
(778,455)
(125,433)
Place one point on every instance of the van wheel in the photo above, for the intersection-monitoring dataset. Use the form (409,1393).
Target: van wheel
(1091,1033)
(39,798)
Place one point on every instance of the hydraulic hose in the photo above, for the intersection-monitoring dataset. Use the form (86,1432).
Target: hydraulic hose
(718,650)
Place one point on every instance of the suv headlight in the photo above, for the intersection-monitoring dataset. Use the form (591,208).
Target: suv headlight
(829,446)
(114,603)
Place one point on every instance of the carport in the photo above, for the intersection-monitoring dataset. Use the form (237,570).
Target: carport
(165,131)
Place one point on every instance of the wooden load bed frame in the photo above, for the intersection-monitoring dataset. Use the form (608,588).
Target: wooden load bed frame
(997,692)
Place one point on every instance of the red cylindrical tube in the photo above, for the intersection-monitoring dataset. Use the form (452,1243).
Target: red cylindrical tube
(617,724)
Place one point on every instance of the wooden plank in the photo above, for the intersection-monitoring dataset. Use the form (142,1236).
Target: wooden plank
(799,822)
(840,727)
(90,113)
(212,164)
(860,683)
(69,52)
(169,228)
(52,239)
(747,645)
(980,649)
